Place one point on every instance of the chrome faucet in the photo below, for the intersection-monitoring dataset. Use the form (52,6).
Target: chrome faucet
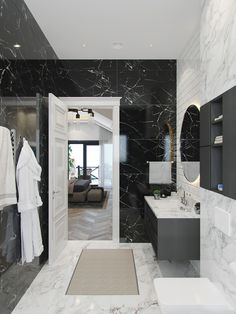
(184,200)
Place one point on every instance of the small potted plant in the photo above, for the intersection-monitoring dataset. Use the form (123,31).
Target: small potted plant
(157,194)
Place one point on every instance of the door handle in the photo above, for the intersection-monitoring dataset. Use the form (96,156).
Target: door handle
(55,192)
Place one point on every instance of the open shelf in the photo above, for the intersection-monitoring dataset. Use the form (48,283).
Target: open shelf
(218,160)
(218,121)
(216,148)
(217,144)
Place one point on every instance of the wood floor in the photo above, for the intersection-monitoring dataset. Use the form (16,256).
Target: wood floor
(91,223)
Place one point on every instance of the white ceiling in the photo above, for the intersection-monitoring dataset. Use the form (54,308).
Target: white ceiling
(166,25)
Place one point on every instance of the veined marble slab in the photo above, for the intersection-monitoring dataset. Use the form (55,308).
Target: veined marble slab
(47,294)
(170,208)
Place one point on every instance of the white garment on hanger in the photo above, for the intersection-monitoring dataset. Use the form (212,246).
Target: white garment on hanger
(7,170)
(28,174)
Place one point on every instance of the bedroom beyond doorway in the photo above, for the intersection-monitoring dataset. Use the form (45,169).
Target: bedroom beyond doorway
(90,174)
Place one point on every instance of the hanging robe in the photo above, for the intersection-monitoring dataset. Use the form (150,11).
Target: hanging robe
(28,174)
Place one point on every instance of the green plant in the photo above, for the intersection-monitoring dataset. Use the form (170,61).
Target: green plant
(156,191)
(70,160)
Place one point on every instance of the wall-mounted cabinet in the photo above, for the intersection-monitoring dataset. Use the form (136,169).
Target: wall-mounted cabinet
(217,141)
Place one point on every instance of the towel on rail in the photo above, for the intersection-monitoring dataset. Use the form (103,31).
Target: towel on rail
(160,172)
(7,170)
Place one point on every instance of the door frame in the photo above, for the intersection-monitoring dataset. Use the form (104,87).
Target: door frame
(114,104)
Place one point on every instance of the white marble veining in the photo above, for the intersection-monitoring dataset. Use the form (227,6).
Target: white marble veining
(218,251)
(218,47)
(218,68)
(47,294)
(170,208)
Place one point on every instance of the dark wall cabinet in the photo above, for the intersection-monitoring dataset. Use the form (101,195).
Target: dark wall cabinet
(229,143)
(218,160)
(205,131)
(205,166)
(175,239)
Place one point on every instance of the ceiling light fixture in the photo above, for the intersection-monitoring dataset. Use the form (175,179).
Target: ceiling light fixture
(83,45)
(117,45)
(151,45)
(17,45)
(88,113)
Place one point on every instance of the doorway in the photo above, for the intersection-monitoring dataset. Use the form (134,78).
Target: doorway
(90,180)
(58,180)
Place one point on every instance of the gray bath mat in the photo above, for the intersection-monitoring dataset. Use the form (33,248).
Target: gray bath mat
(104,272)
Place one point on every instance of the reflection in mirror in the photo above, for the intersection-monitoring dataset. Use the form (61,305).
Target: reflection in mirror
(189,143)
(168,142)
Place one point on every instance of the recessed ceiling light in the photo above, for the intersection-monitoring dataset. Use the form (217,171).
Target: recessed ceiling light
(17,45)
(151,45)
(117,45)
(83,45)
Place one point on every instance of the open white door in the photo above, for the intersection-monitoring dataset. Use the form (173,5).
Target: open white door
(58,154)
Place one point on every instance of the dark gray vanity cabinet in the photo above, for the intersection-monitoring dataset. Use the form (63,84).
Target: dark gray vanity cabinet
(150,225)
(173,238)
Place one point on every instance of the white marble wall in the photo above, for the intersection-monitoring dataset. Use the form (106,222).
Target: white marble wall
(218,47)
(218,68)
(218,251)
(188,92)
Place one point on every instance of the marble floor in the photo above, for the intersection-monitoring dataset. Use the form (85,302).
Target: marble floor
(47,292)
(91,222)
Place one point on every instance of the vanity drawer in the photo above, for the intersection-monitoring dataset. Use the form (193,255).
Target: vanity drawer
(178,239)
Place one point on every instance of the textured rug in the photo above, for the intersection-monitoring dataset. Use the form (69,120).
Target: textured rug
(104,272)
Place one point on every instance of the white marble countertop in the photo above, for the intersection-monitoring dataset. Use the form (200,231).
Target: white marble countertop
(170,207)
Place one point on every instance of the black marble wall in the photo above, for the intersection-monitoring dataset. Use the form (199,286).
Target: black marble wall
(148,104)
(26,116)
(17,25)
(148,91)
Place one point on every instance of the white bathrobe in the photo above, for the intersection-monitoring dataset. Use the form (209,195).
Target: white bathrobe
(7,170)
(28,174)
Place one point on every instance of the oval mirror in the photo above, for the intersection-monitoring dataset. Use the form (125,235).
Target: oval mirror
(190,143)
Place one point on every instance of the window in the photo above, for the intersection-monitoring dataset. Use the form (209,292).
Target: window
(84,160)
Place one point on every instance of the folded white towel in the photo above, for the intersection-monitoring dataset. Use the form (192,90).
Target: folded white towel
(7,170)
(160,172)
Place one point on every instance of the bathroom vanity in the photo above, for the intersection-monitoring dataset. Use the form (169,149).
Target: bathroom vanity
(172,228)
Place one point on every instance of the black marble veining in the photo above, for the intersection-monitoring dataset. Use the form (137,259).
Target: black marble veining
(25,116)
(190,135)
(18,26)
(148,104)
(147,88)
